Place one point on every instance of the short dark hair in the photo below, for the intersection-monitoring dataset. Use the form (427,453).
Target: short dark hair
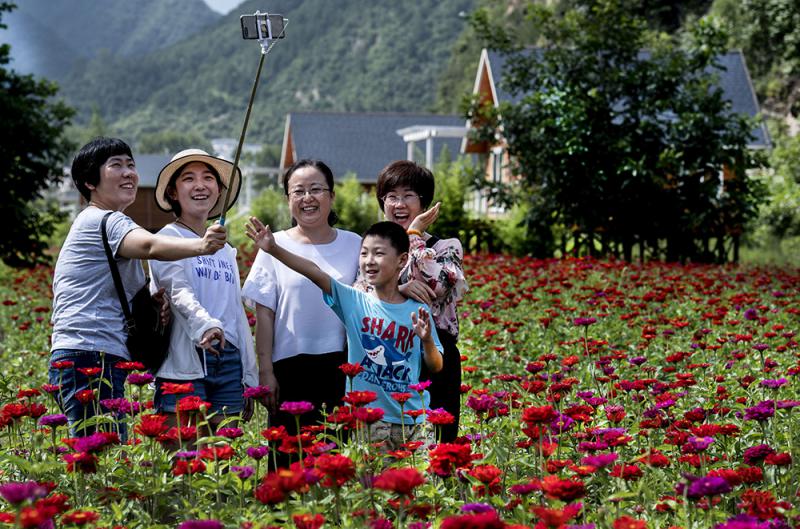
(392,232)
(320,166)
(409,174)
(86,164)
(176,206)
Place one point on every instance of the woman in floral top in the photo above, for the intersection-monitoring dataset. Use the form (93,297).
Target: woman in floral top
(433,275)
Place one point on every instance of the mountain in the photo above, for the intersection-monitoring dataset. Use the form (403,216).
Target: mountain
(49,37)
(349,55)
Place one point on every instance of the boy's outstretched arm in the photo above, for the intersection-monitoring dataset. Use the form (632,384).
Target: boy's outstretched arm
(262,236)
(422,327)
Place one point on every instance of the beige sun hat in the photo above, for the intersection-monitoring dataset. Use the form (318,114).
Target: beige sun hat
(223,168)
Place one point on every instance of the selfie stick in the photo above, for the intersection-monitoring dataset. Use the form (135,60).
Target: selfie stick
(266,45)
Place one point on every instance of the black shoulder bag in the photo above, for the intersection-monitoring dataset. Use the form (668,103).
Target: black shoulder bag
(148,340)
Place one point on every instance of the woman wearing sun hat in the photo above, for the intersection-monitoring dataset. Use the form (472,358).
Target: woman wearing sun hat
(211,345)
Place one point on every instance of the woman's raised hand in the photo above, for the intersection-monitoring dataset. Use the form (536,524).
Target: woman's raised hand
(260,234)
(425,219)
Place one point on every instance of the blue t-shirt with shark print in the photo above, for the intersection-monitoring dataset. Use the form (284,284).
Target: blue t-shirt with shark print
(381,338)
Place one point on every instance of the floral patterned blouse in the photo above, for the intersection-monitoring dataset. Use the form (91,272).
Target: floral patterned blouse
(440,267)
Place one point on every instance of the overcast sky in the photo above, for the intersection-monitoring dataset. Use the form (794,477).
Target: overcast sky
(223,6)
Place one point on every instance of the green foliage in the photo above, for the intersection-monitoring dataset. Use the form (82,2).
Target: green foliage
(269,155)
(32,149)
(767,32)
(271,208)
(357,209)
(348,56)
(452,187)
(55,37)
(171,141)
(776,237)
(611,161)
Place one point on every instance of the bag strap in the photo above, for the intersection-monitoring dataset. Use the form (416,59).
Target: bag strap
(433,239)
(112,263)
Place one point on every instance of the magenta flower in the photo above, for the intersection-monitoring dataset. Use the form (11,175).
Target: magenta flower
(16,493)
(477,507)
(258,452)
(123,406)
(58,419)
(561,423)
(202,524)
(584,322)
(743,521)
(760,412)
(243,472)
(297,408)
(706,486)
(481,403)
(760,347)
(600,460)
(422,386)
(756,454)
(230,433)
(773,384)
(256,392)
(698,444)
(139,379)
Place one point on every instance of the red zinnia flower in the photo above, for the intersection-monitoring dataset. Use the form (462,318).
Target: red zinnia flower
(563,489)
(489,476)
(171,388)
(192,403)
(151,425)
(308,521)
(626,522)
(80,517)
(445,458)
(351,370)
(274,433)
(368,415)
(184,468)
(360,398)
(538,414)
(402,481)
(338,469)
(89,371)
(62,364)
(440,416)
(402,398)
(130,366)
(85,396)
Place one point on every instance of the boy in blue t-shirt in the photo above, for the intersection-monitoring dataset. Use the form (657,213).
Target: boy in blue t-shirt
(387,334)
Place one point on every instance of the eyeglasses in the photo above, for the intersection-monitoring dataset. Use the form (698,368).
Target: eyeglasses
(405,198)
(315,192)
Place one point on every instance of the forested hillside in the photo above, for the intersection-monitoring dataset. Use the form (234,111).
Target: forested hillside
(51,37)
(381,55)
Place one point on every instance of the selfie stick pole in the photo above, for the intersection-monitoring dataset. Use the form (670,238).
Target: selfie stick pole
(265,48)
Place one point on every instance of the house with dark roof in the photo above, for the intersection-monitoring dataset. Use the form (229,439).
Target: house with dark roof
(364,143)
(144,210)
(733,78)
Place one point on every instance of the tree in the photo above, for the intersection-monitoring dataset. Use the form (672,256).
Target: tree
(32,150)
(172,141)
(357,209)
(620,145)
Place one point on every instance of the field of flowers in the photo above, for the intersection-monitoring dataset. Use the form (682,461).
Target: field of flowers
(596,394)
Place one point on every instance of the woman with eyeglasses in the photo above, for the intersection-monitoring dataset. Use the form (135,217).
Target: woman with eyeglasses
(299,340)
(433,275)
